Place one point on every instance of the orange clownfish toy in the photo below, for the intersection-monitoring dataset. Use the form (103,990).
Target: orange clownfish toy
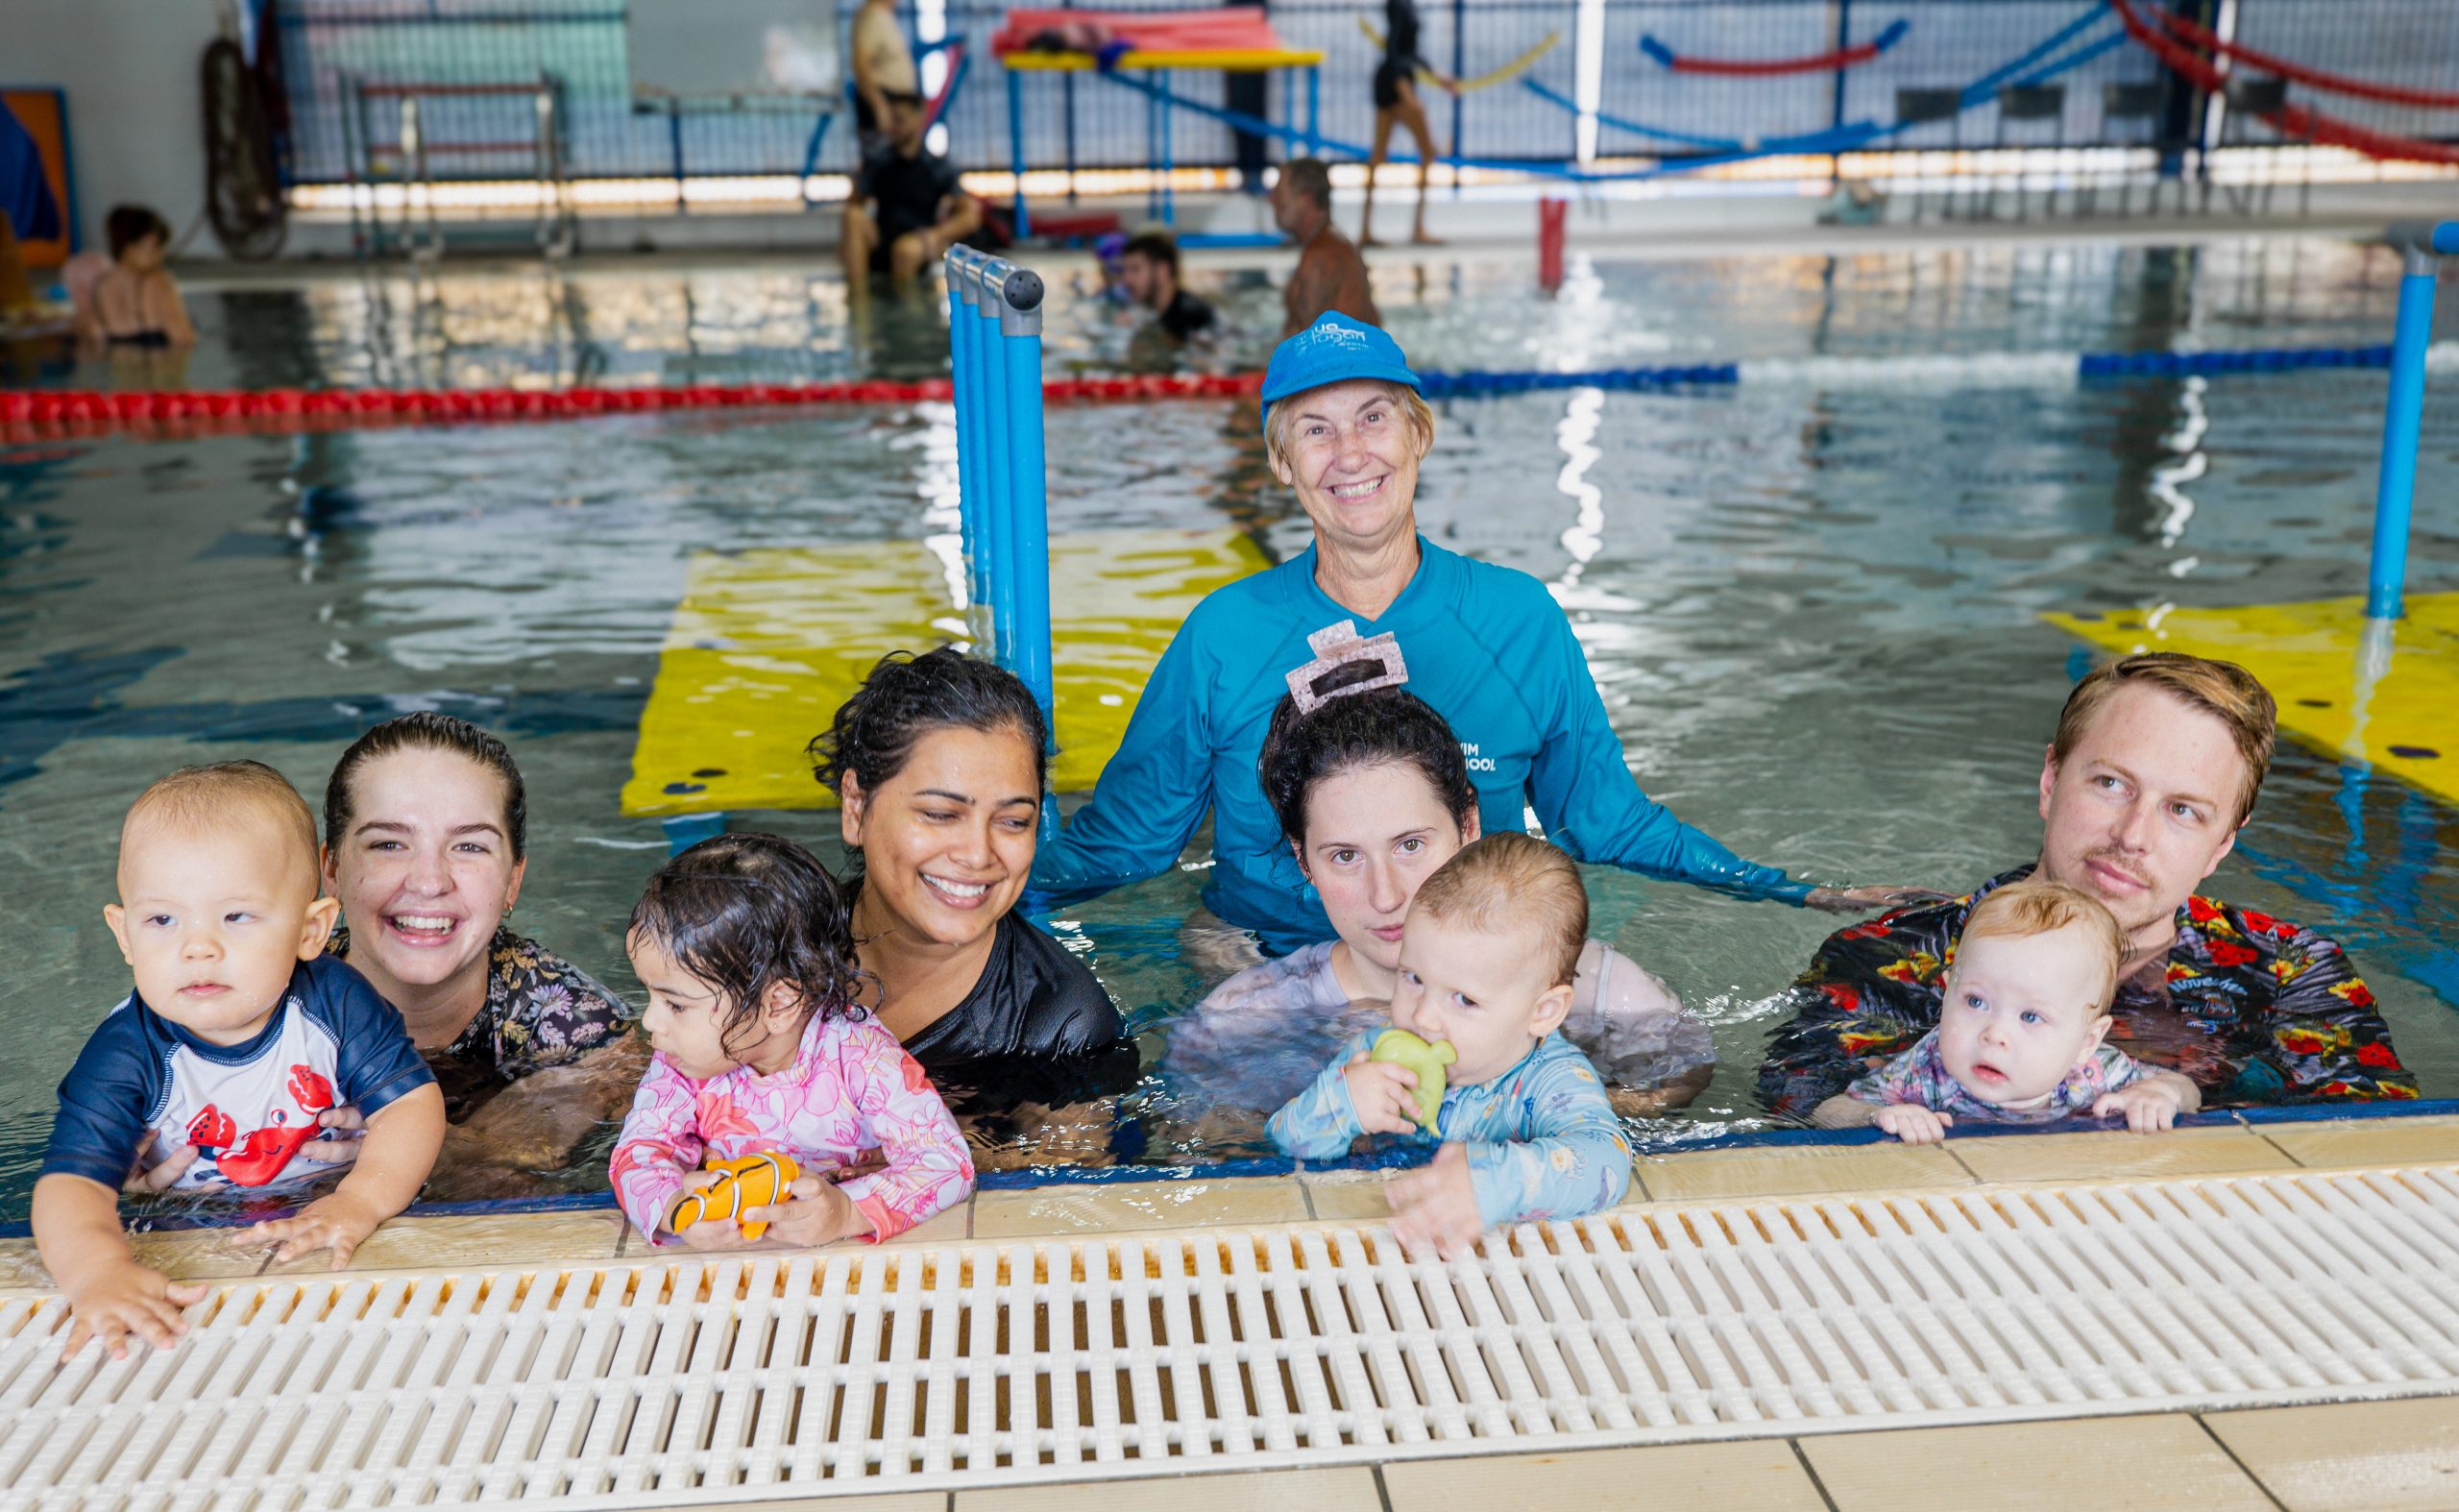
(751,1180)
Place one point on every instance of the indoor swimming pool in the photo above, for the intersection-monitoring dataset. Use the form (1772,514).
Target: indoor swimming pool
(1816,611)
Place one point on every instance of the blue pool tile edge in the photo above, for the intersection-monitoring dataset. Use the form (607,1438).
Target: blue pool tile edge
(1395,1158)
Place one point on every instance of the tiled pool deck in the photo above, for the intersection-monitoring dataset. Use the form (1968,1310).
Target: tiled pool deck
(2378,1456)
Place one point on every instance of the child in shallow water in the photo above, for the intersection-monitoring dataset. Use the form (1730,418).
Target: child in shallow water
(1372,795)
(1486,964)
(761,1046)
(2022,1030)
(210,1076)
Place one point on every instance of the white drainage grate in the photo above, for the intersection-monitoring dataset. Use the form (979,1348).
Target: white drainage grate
(669,1381)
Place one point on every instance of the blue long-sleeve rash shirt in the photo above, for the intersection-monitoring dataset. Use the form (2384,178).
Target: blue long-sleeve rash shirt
(1487,646)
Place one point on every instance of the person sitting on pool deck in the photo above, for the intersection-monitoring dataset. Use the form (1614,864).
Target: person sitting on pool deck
(939,762)
(1149,267)
(2153,772)
(1330,275)
(1487,646)
(917,209)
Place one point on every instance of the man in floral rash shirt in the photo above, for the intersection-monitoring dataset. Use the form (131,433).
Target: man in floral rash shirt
(2155,766)
(2252,1008)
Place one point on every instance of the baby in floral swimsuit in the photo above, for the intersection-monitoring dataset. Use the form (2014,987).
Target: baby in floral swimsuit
(2023,1028)
(761,1045)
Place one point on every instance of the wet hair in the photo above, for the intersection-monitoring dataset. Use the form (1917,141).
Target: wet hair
(906,697)
(1155,246)
(428,731)
(742,912)
(217,795)
(2038,906)
(127,224)
(2222,690)
(1379,727)
(1310,177)
(1508,880)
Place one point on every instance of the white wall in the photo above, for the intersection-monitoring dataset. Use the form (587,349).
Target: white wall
(136,117)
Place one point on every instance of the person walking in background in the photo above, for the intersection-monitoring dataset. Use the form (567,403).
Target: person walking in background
(883,67)
(1397,103)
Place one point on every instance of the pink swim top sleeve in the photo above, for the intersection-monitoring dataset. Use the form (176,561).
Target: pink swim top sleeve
(929,1168)
(661,1145)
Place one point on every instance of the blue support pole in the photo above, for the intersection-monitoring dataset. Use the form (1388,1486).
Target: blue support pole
(1016,149)
(2403,417)
(995,345)
(1169,160)
(1028,497)
(963,328)
(998,527)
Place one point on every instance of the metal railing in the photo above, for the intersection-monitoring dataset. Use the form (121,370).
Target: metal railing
(2421,248)
(994,352)
(2121,98)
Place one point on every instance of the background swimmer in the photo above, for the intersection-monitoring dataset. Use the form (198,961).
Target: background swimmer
(2022,1035)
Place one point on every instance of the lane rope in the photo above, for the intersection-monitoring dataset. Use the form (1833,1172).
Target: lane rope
(35,414)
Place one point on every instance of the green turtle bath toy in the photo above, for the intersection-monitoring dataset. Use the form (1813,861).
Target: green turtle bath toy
(1399,1047)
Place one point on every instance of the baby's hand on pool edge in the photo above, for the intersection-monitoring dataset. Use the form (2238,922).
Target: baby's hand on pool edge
(1913,1123)
(1436,1207)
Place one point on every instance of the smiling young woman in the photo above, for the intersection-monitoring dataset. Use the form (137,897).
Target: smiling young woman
(427,847)
(938,761)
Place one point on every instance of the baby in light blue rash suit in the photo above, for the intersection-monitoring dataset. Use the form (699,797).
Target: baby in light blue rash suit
(1490,949)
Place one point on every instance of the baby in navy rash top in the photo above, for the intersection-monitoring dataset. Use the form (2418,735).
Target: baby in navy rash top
(213,1073)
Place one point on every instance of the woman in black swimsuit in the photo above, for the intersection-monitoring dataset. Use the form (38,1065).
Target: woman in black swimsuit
(1397,103)
(937,760)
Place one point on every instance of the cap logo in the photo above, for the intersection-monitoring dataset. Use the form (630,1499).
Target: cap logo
(1331,332)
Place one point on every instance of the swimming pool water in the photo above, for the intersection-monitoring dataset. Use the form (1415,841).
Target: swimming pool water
(1812,612)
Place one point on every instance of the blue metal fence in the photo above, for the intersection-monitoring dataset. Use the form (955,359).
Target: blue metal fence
(1086,122)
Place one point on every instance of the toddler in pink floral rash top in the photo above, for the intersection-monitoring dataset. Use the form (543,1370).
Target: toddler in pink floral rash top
(761,1043)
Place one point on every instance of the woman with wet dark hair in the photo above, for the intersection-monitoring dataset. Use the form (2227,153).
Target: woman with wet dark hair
(939,762)
(427,842)
(1374,796)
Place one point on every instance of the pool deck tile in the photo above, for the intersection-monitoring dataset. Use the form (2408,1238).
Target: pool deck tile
(1797,1170)
(474,1239)
(21,1268)
(197,1254)
(1763,1475)
(2145,1464)
(2118,1155)
(2371,1141)
(952,1227)
(1137,1205)
(911,1501)
(1347,1196)
(2351,1456)
(1348,1488)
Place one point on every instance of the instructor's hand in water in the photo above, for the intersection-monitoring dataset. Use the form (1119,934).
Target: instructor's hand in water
(1870,899)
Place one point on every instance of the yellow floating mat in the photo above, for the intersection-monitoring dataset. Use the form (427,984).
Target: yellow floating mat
(766,644)
(2394,705)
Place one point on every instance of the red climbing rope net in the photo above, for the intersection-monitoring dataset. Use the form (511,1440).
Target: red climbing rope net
(2199,35)
(2289,120)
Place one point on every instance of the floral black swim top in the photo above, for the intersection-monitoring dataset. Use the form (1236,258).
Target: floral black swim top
(540,1011)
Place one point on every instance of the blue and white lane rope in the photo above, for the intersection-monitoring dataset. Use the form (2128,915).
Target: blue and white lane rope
(1982,370)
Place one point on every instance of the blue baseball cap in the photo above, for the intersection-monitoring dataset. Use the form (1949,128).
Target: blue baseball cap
(1334,350)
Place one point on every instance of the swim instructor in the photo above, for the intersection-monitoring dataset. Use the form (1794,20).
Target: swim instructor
(1487,646)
